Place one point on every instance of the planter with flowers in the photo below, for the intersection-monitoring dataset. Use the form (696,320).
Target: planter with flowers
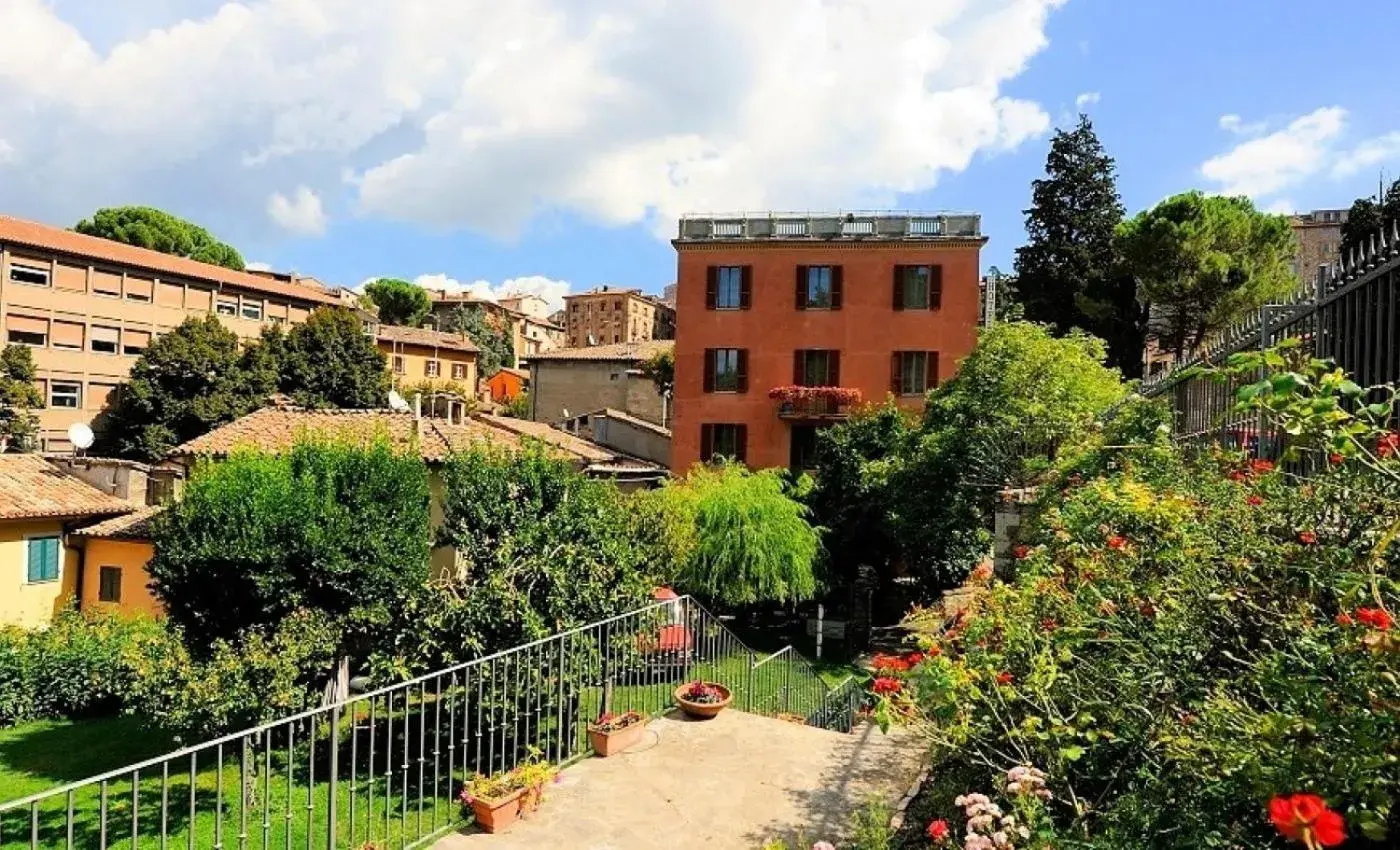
(612,733)
(533,776)
(814,401)
(702,700)
(494,800)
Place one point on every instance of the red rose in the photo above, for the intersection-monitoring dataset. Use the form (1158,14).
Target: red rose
(938,830)
(1005,678)
(1117,541)
(1344,619)
(1388,445)
(1021,552)
(1255,500)
(886,685)
(1335,458)
(1307,538)
(1306,818)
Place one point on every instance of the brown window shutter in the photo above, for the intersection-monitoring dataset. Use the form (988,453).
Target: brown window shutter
(799,359)
(899,287)
(836,287)
(746,288)
(833,369)
(895,373)
(741,443)
(802,287)
(709,385)
(743,370)
(931,371)
(707,443)
(711,287)
(935,287)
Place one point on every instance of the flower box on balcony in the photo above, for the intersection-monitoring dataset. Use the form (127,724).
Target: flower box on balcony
(613,733)
(814,402)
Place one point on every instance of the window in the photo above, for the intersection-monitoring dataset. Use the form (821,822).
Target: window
(726,370)
(27,330)
(802,454)
(109,584)
(459,371)
(918,287)
(816,367)
(723,440)
(398,364)
(104,340)
(107,284)
(139,289)
(430,368)
(43,555)
(913,372)
(135,342)
(252,310)
(66,394)
(277,320)
(728,287)
(67,335)
(819,287)
(100,395)
(29,275)
(617,305)
(226,307)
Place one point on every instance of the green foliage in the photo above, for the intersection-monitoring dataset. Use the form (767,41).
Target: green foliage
(329,361)
(187,382)
(751,541)
(341,530)
(1069,274)
(1367,218)
(870,826)
(1184,637)
(661,369)
(399,301)
(266,672)
(1204,261)
(80,664)
(519,407)
(17,395)
(147,227)
(496,344)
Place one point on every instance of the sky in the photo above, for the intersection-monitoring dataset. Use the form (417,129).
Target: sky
(549,145)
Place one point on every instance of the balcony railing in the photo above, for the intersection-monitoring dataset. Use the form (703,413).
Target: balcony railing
(814,403)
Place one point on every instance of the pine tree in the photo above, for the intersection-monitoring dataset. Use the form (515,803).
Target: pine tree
(1068,272)
(1367,218)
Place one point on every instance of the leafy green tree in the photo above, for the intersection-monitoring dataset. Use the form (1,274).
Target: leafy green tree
(329,361)
(399,301)
(147,227)
(519,407)
(18,395)
(332,528)
(1367,218)
(496,344)
(1068,272)
(661,369)
(187,382)
(1204,261)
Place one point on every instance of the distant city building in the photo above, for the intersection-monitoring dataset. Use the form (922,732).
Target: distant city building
(1319,237)
(530,334)
(569,382)
(527,304)
(611,316)
(668,295)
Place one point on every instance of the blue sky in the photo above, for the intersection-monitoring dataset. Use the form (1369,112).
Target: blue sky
(552,142)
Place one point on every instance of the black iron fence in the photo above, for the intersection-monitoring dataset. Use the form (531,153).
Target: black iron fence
(383,769)
(1348,316)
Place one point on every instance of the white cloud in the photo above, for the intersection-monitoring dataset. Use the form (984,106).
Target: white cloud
(1282,159)
(1235,124)
(1087,99)
(301,213)
(258,267)
(1368,154)
(1281,206)
(481,114)
(552,291)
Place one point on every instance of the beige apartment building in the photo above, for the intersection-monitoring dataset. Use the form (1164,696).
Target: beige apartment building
(609,316)
(88,307)
(1319,237)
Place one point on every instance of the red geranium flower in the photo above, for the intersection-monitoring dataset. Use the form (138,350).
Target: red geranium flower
(1306,818)
(1344,619)
(1377,618)
(938,830)
(912,659)
(1335,458)
(886,685)
(1388,445)
(1307,538)
(1005,678)
(1255,500)
(1048,624)
(1237,475)
(1021,552)
(1259,465)
(1117,541)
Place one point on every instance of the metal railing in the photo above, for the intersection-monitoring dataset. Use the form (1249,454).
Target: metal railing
(383,768)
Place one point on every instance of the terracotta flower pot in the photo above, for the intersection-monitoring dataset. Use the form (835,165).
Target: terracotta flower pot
(611,743)
(702,710)
(494,814)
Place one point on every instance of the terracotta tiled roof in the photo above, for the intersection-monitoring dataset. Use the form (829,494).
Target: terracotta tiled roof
(134,526)
(591,452)
(621,416)
(33,488)
(42,236)
(426,337)
(631,352)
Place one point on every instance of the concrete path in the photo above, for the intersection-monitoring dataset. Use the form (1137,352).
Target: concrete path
(732,782)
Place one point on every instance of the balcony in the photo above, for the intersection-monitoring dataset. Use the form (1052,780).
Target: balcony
(814,404)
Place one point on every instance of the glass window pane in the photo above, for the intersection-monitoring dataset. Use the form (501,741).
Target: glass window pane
(819,286)
(727,369)
(729,285)
(916,287)
(912,369)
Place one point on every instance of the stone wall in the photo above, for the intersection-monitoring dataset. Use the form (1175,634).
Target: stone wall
(583,386)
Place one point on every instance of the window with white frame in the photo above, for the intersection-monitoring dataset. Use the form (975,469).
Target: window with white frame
(67,394)
(29,275)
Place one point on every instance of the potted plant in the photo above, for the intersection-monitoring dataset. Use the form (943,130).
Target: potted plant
(612,733)
(494,800)
(532,776)
(702,700)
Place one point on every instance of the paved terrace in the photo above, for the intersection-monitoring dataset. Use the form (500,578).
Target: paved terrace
(732,782)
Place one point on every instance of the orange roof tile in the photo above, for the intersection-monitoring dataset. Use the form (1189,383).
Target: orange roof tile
(45,237)
(426,337)
(33,488)
(134,526)
(632,352)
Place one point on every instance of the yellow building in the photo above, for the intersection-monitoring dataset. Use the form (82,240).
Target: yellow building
(431,362)
(42,564)
(115,554)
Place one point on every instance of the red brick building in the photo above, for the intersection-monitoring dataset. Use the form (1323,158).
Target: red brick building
(884,304)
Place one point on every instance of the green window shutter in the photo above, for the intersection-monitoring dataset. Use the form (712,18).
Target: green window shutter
(43,559)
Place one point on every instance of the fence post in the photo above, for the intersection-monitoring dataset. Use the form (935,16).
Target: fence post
(335,775)
(748,691)
(787,685)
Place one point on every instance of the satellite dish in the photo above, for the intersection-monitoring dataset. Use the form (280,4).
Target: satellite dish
(80,435)
(397,403)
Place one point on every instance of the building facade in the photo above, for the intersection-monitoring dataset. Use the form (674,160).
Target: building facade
(498,317)
(88,307)
(421,357)
(570,382)
(611,316)
(1319,237)
(776,305)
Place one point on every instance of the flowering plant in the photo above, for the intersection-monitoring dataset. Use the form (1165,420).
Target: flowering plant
(491,788)
(703,693)
(610,722)
(839,396)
